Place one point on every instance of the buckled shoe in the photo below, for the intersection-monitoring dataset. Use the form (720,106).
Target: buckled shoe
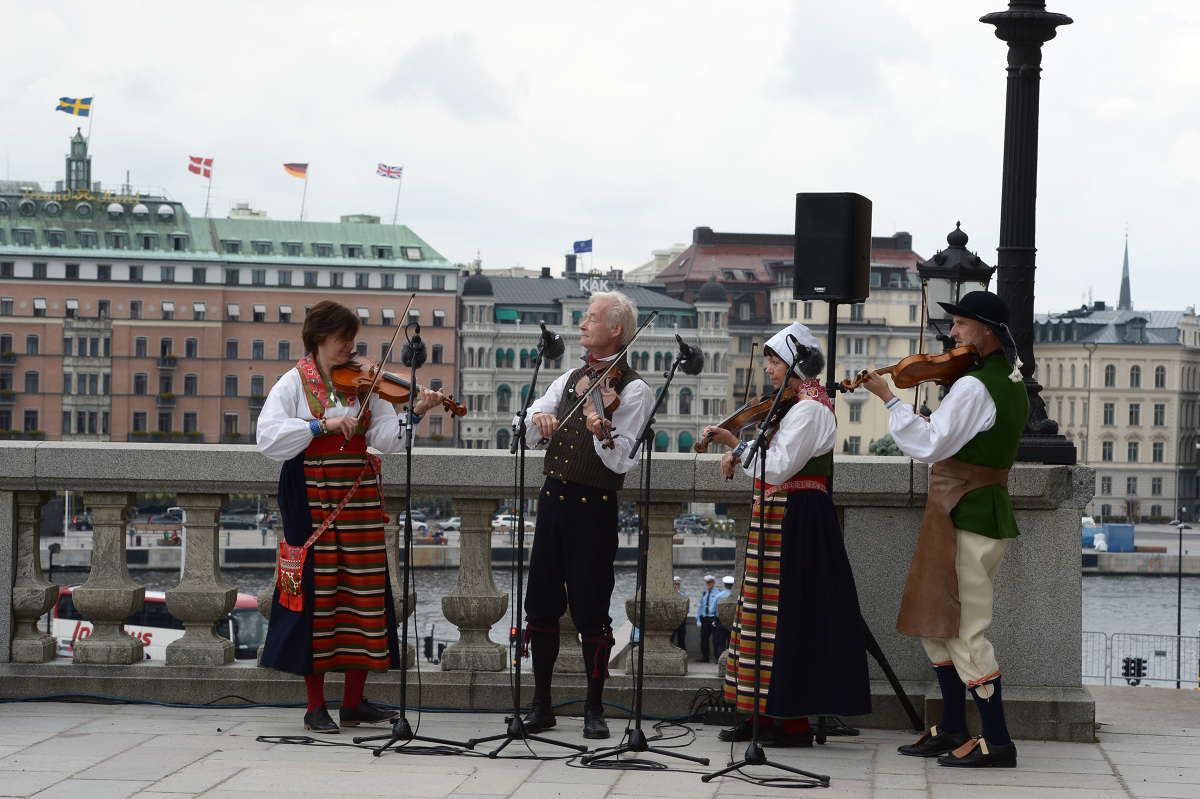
(365,713)
(934,743)
(594,725)
(978,753)
(540,717)
(319,721)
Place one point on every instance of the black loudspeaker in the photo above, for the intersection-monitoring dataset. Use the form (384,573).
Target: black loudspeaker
(833,247)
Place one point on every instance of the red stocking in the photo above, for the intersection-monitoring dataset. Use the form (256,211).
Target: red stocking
(353,695)
(314,686)
(794,726)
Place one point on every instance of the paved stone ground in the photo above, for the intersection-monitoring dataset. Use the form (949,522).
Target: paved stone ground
(1148,745)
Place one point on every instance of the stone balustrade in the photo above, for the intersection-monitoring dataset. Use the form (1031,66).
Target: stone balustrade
(1038,602)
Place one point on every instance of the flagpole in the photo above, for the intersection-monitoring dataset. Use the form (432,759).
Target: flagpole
(396,210)
(91,116)
(207,194)
(304,194)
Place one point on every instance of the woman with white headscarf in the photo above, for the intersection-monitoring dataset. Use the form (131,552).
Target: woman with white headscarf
(812,659)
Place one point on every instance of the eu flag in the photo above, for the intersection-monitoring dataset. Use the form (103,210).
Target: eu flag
(76,106)
(583,246)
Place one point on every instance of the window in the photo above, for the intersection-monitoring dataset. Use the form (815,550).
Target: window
(32,382)
(411,253)
(352,251)
(233,311)
(135,309)
(231,247)
(71,271)
(1160,414)
(31,420)
(912,313)
(1131,486)
(191,422)
(168,310)
(23,237)
(362,280)
(853,445)
(1110,376)
(231,349)
(284,277)
(166,346)
(310,279)
(256,386)
(856,312)
(1157,450)
(323,250)
(1110,413)
(117,240)
(808,310)
(139,421)
(191,348)
(335,280)
(436,356)
(107,384)
(293,248)
(685,402)
(1160,377)
(284,351)
(1135,413)
(103,309)
(412,282)
(387,282)
(439,318)
(1156,486)
(87,239)
(259,313)
(860,345)
(856,411)
(199,275)
(178,242)
(1106,486)
(6,306)
(1106,450)
(139,384)
(256,350)
(262,247)
(232,277)
(381,251)
(164,422)
(364,315)
(285,314)
(361,348)
(71,309)
(230,423)
(39,306)
(231,385)
(149,241)
(439,282)
(140,347)
(199,311)
(1131,451)
(190,385)
(1135,377)
(258,277)
(31,344)
(66,383)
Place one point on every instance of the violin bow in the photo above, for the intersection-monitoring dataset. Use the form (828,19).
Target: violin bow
(611,364)
(921,335)
(362,406)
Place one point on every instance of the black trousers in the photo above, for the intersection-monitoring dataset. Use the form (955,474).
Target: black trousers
(706,633)
(574,546)
(720,638)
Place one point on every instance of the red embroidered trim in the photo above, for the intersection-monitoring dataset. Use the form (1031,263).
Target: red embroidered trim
(802,484)
(310,374)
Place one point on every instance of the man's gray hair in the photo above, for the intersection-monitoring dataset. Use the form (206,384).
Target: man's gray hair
(621,311)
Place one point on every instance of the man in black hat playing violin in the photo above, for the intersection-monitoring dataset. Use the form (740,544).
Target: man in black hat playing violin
(575,542)
(971,440)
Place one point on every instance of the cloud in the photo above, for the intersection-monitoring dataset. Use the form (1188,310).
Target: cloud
(448,71)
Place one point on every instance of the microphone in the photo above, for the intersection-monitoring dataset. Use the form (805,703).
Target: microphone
(552,344)
(413,354)
(803,353)
(691,357)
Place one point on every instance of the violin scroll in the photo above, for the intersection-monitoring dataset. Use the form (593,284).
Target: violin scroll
(943,368)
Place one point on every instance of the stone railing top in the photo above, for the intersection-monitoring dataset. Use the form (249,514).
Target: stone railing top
(860,480)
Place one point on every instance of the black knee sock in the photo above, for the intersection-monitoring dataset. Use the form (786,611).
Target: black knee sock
(543,647)
(991,714)
(954,700)
(596,672)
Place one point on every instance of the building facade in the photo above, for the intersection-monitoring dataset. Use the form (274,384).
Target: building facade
(122,317)
(499,335)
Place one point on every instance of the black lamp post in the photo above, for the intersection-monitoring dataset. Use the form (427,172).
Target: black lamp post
(1025,26)
(948,275)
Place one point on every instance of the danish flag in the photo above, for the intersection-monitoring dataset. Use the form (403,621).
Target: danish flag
(200,166)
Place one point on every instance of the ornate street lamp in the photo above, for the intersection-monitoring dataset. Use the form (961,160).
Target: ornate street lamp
(1025,26)
(947,276)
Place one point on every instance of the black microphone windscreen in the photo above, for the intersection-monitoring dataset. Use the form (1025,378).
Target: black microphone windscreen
(552,344)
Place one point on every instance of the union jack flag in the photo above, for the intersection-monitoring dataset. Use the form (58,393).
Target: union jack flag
(393,172)
(198,165)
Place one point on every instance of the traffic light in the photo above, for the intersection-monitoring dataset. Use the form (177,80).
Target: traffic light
(1139,665)
(1133,670)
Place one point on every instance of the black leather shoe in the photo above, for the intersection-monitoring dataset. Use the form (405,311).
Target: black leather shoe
(934,743)
(540,717)
(832,725)
(978,753)
(594,725)
(364,713)
(319,721)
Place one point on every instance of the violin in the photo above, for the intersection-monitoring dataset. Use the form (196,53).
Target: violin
(356,376)
(942,369)
(749,414)
(604,398)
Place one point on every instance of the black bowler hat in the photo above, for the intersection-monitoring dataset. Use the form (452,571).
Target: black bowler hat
(982,306)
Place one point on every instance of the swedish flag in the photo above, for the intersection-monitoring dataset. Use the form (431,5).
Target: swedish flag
(76,106)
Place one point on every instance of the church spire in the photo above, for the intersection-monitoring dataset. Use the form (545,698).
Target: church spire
(1125,303)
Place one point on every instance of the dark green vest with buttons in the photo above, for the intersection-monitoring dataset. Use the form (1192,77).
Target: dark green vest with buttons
(571,456)
(988,510)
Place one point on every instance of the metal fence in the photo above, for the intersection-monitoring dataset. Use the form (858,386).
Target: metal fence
(1137,658)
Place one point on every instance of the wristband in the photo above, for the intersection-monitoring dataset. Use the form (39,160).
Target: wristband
(891,402)
(414,418)
(314,427)
(739,449)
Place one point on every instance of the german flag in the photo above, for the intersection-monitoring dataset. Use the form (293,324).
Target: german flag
(297,170)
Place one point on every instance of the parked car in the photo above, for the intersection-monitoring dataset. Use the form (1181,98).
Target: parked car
(690,523)
(229,522)
(508,522)
(81,521)
(451,525)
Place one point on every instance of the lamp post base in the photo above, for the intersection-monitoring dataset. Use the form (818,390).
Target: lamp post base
(1053,450)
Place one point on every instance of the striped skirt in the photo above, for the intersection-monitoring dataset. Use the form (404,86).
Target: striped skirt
(760,591)
(349,617)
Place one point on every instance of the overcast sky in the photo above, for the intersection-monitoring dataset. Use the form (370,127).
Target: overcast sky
(524,126)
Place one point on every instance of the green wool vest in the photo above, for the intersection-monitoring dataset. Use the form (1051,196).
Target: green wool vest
(988,510)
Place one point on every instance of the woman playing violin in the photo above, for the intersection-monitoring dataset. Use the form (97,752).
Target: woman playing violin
(796,562)
(341,618)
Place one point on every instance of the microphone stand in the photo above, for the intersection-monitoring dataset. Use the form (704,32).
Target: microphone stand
(635,738)
(755,755)
(413,357)
(516,725)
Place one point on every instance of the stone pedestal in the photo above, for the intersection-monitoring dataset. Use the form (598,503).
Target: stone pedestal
(665,608)
(727,607)
(32,594)
(202,598)
(109,596)
(570,653)
(475,604)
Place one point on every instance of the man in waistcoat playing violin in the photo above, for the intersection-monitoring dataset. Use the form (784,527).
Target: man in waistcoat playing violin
(972,441)
(575,543)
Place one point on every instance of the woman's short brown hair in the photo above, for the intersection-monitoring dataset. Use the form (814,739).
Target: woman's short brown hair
(327,318)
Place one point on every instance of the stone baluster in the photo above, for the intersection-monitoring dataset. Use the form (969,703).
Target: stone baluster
(665,608)
(32,593)
(109,596)
(394,537)
(570,654)
(475,604)
(727,607)
(202,598)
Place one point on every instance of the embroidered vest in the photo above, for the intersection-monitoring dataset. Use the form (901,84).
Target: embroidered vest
(571,456)
(988,510)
